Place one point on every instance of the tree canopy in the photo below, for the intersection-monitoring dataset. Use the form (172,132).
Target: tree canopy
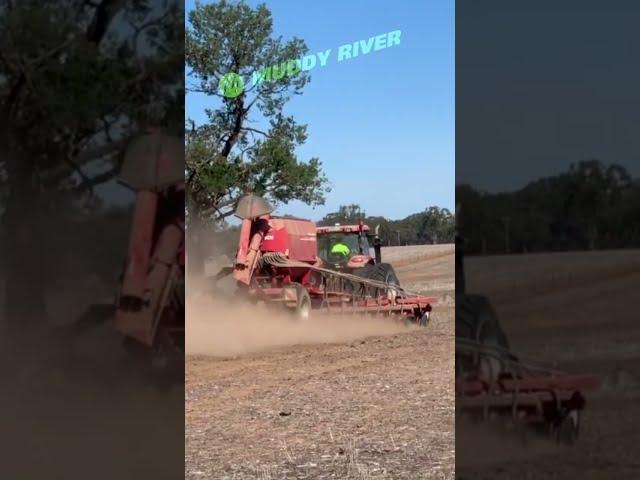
(248,143)
(78,80)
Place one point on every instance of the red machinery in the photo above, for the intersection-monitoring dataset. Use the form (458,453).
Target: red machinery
(277,261)
(149,307)
(492,382)
(356,237)
(150,304)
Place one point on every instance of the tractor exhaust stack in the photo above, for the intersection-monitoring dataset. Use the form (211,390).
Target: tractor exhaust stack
(377,244)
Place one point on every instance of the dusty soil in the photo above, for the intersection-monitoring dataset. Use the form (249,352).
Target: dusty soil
(343,398)
(574,310)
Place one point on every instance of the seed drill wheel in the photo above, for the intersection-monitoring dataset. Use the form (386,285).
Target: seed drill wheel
(302,310)
(423,321)
(568,428)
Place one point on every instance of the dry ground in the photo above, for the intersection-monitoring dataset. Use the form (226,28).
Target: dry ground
(579,311)
(346,399)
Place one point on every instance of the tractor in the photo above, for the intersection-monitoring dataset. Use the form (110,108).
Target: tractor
(346,248)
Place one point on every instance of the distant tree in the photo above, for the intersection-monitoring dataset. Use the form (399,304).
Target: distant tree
(346,215)
(593,190)
(437,226)
(591,205)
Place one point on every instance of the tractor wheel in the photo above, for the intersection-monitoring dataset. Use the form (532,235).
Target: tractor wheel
(365,271)
(567,431)
(303,304)
(423,321)
(362,272)
(477,320)
(384,272)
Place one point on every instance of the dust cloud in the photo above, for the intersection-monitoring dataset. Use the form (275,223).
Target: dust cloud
(222,328)
(85,416)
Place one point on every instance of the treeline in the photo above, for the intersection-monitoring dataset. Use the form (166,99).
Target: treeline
(591,206)
(432,225)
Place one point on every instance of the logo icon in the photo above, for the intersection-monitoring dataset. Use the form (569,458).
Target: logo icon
(231,85)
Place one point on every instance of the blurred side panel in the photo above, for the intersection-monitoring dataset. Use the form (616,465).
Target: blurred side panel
(548,196)
(92,239)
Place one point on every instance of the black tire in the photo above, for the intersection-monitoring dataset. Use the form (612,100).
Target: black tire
(382,272)
(364,272)
(477,320)
(423,321)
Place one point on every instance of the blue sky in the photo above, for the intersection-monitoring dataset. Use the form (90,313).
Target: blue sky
(383,123)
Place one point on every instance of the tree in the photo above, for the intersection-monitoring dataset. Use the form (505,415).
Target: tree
(247,143)
(592,205)
(78,79)
(437,226)
(593,190)
(346,215)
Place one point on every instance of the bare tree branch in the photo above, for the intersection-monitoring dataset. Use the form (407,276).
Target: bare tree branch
(103,151)
(83,176)
(248,129)
(101,178)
